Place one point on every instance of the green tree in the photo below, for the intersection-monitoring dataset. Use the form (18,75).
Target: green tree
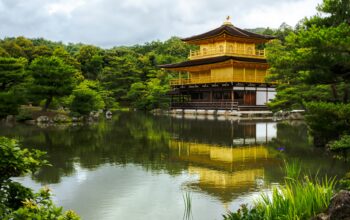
(12,75)
(149,95)
(70,60)
(3,52)
(119,74)
(91,61)
(312,65)
(41,50)
(86,98)
(12,48)
(51,78)
(17,201)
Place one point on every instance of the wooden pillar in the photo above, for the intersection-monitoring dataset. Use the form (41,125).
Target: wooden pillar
(244,74)
(255,75)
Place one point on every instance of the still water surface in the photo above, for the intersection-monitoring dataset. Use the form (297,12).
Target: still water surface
(139,166)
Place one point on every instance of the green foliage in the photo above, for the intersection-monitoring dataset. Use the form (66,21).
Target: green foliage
(337,11)
(17,201)
(86,98)
(298,198)
(345,182)
(149,95)
(91,61)
(120,73)
(42,207)
(315,54)
(244,213)
(327,120)
(342,144)
(12,75)
(15,161)
(292,170)
(11,72)
(53,63)
(312,68)
(51,78)
(70,60)
(24,115)
(3,52)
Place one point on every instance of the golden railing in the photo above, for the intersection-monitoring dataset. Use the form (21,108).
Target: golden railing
(244,78)
(228,50)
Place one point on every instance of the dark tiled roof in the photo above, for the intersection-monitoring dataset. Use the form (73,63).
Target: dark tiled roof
(230,30)
(212,60)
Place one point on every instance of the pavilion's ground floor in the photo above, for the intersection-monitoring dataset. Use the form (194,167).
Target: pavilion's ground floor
(222,97)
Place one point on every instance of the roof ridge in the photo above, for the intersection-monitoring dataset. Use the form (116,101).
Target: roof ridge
(239,30)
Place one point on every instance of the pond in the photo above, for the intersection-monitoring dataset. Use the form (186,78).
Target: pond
(140,166)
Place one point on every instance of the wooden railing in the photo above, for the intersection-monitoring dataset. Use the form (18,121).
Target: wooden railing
(238,78)
(206,105)
(228,50)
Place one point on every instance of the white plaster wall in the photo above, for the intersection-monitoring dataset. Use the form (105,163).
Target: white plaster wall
(271,95)
(260,97)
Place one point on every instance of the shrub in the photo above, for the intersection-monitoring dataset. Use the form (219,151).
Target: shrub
(24,115)
(327,121)
(85,100)
(42,207)
(342,144)
(17,201)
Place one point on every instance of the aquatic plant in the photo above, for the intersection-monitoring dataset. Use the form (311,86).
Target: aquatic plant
(187,198)
(301,197)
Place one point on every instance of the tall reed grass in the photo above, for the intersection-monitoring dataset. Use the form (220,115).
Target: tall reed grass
(301,197)
(188,206)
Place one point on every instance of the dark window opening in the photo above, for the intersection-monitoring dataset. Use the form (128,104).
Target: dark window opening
(217,95)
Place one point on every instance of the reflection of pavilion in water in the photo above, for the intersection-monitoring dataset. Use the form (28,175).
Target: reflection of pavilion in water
(228,171)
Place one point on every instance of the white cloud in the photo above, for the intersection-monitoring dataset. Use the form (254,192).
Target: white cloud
(125,22)
(64,6)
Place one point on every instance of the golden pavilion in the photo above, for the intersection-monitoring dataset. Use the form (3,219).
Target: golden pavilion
(226,72)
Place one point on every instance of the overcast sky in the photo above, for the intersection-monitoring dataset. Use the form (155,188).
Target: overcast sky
(110,23)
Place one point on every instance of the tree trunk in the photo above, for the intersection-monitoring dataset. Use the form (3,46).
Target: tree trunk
(335,93)
(47,104)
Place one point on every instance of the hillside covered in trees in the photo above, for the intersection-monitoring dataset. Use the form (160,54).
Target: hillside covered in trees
(53,74)
(84,78)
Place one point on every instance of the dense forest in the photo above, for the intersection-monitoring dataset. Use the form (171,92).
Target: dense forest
(84,77)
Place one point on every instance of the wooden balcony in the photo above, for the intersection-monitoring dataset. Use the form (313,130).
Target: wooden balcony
(227,51)
(235,78)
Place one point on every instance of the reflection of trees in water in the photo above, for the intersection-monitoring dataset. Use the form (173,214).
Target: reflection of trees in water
(132,138)
(144,139)
(296,143)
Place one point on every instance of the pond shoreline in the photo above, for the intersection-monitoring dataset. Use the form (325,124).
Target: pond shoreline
(231,114)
